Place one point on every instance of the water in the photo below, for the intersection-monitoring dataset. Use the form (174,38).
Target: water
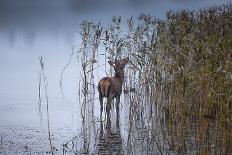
(26,128)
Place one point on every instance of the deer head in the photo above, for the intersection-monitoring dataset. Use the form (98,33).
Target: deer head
(118,65)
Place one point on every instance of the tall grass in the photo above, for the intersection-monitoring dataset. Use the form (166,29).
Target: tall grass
(196,49)
(178,85)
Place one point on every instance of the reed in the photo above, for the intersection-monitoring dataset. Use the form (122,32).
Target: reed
(45,83)
(177,83)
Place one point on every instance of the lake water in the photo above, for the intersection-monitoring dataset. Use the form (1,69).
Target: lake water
(29,30)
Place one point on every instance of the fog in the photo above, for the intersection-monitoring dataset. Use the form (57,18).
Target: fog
(30,29)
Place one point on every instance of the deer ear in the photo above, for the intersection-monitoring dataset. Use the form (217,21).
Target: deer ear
(125,61)
(111,63)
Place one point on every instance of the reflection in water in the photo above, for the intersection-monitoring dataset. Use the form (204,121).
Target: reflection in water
(110,140)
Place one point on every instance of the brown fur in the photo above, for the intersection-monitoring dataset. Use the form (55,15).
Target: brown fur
(104,85)
(110,87)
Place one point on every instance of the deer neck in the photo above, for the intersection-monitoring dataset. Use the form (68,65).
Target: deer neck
(120,76)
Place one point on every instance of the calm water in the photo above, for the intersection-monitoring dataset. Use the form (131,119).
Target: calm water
(51,29)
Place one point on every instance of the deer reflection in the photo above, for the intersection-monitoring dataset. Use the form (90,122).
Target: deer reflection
(110,140)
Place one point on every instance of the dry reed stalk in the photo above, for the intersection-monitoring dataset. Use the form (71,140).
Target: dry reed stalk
(47,103)
(178,78)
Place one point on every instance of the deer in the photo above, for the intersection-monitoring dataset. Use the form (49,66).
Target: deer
(111,87)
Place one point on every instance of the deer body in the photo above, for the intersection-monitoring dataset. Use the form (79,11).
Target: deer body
(111,87)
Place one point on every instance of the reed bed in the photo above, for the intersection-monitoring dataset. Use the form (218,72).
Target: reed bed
(178,85)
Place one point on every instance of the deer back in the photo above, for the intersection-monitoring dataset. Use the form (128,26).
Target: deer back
(110,87)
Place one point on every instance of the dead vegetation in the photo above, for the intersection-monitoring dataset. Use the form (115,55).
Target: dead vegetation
(178,87)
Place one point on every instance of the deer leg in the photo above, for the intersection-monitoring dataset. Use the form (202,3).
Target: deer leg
(101,105)
(117,110)
(101,129)
(108,107)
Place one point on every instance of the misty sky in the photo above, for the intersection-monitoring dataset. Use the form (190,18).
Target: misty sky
(31,28)
(56,16)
